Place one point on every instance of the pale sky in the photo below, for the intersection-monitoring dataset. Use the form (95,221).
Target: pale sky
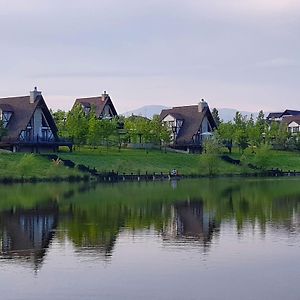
(242,54)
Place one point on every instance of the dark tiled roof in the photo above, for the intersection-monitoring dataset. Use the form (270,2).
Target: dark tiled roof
(23,110)
(192,120)
(97,102)
(291,112)
(6,107)
(274,115)
(288,120)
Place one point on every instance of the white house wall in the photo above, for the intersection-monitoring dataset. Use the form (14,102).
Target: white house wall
(169,118)
(293,124)
(205,125)
(37,122)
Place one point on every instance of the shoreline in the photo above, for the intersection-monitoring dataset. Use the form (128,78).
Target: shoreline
(115,177)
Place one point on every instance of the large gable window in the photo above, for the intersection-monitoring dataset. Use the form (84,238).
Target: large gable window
(5,117)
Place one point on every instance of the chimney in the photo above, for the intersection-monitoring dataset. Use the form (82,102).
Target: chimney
(202,105)
(104,95)
(34,94)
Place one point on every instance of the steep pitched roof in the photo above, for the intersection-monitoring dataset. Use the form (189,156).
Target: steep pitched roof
(192,120)
(288,120)
(97,102)
(22,111)
(291,112)
(274,115)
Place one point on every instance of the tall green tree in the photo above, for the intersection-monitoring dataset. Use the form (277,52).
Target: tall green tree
(77,125)
(60,118)
(215,114)
(241,137)
(225,134)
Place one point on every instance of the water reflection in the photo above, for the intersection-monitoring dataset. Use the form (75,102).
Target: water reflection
(190,222)
(26,234)
(92,217)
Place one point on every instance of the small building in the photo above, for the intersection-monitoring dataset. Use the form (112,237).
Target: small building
(279,116)
(103,106)
(29,125)
(293,124)
(189,125)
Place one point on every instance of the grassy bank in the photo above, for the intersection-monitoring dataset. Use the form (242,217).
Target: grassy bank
(135,161)
(139,161)
(29,167)
(25,167)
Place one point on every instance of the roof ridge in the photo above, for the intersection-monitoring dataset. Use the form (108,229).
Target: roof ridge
(14,97)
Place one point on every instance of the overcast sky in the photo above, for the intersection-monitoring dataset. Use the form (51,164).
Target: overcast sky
(239,54)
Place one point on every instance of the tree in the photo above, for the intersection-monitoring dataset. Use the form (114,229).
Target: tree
(240,133)
(253,133)
(3,131)
(77,125)
(215,114)
(225,134)
(60,118)
(210,156)
(107,129)
(93,137)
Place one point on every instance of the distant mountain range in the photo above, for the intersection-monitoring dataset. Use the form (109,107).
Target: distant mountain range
(226,114)
(146,111)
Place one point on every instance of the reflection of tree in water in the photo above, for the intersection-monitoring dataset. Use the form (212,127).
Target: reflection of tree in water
(26,233)
(92,217)
(190,222)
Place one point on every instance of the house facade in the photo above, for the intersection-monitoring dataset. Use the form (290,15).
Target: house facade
(291,118)
(102,105)
(293,124)
(189,125)
(280,116)
(29,125)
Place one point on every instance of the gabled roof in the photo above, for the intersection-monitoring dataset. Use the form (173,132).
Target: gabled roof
(291,112)
(192,120)
(23,110)
(6,107)
(98,103)
(274,115)
(289,120)
(287,112)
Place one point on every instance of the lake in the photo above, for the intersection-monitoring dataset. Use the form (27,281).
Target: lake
(189,239)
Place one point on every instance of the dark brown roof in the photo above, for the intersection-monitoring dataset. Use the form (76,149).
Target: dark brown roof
(22,112)
(274,115)
(288,120)
(98,103)
(6,107)
(192,120)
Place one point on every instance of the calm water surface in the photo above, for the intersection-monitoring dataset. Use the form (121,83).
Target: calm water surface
(197,239)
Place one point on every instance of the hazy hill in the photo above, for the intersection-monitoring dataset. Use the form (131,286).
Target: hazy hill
(145,111)
(227,114)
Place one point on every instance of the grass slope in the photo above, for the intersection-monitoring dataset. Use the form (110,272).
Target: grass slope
(129,160)
(20,165)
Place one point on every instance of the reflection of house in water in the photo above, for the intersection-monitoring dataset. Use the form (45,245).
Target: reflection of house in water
(190,222)
(27,233)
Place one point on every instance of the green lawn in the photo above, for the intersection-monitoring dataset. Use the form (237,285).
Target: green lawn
(20,165)
(285,160)
(135,161)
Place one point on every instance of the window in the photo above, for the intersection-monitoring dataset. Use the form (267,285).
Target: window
(6,115)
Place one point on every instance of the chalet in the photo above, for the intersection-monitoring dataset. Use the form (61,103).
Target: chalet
(102,105)
(293,124)
(291,118)
(189,125)
(279,116)
(29,124)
